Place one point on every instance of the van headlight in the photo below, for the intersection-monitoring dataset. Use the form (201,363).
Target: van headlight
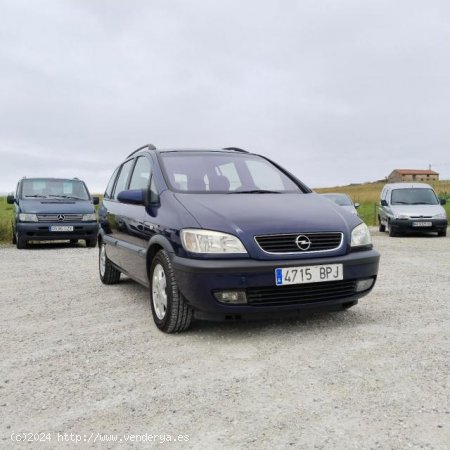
(24,217)
(402,216)
(440,216)
(206,241)
(361,236)
(89,217)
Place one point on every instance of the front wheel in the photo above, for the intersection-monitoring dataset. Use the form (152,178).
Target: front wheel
(21,242)
(389,229)
(108,273)
(442,233)
(171,313)
(91,243)
(381,227)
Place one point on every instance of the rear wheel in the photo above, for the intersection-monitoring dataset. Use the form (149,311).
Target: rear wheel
(108,273)
(171,313)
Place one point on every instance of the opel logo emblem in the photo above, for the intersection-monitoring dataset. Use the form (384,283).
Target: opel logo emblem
(303,242)
(60,217)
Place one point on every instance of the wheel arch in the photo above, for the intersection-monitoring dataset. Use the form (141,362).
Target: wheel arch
(156,244)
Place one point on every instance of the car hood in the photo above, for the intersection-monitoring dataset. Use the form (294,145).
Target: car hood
(48,206)
(256,214)
(417,210)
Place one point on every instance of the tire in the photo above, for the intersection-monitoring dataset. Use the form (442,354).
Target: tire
(21,242)
(442,233)
(91,243)
(381,227)
(108,273)
(389,230)
(14,240)
(171,313)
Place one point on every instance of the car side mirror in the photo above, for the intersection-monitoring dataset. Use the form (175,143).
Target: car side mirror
(10,199)
(95,200)
(442,201)
(384,203)
(357,205)
(132,196)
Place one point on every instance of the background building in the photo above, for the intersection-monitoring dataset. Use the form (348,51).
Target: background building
(398,175)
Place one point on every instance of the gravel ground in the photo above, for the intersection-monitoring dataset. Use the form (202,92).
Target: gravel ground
(82,358)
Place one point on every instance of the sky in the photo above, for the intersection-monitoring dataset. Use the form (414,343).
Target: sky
(336,91)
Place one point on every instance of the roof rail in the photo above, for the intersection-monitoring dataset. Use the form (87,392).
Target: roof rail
(149,146)
(236,149)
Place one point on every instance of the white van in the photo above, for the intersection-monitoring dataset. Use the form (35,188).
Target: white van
(411,207)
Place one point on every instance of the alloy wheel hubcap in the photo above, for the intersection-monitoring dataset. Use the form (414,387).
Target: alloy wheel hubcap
(159,293)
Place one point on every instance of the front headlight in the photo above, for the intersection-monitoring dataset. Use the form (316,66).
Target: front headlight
(89,217)
(440,216)
(206,241)
(23,217)
(361,236)
(401,216)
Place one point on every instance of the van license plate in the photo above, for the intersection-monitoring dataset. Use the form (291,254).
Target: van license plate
(309,274)
(61,228)
(422,224)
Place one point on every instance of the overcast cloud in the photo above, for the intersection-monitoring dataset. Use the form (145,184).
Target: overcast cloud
(338,91)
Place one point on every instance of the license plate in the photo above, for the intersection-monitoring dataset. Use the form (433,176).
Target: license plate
(61,228)
(309,274)
(422,224)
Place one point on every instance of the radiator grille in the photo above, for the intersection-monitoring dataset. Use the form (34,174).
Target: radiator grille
(300,242)
(60,218)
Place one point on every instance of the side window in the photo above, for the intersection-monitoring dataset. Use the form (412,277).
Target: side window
(141,174)
(121,184)
(109,188)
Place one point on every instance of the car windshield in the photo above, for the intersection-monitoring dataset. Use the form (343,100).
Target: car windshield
(414,196)
(54,188)
(339,199)
(220,172)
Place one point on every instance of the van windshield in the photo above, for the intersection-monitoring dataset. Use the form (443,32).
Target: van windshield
(54,188)
(414,196)
(209,172)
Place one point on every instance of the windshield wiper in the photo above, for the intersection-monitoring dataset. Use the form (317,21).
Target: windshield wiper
(66,196)
(36,196)
(422,203)
(256,191)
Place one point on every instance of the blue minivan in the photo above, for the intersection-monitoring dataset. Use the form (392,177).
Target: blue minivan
(227,234)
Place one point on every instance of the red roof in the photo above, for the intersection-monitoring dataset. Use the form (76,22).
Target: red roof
(415,172)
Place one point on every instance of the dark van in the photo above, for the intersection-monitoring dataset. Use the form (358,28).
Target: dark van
(226,234)
(53,209)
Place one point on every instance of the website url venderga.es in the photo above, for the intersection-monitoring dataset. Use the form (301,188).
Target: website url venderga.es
(91,438)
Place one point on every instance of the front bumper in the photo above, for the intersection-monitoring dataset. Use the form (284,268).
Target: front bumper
(408,225)
(198,279)
(35,231)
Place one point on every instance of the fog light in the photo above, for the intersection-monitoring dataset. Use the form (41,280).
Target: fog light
(364,285)
(231,297)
